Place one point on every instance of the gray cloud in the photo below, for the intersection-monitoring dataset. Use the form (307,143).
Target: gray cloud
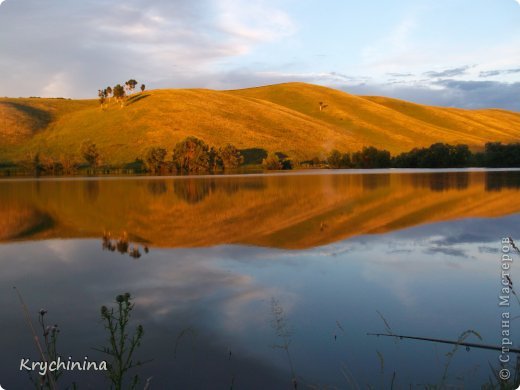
(487,249)
(445,92)
(498,72)
(454,93)
(448,72)
(447,251)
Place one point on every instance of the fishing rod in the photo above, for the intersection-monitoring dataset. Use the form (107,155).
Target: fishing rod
(468,345)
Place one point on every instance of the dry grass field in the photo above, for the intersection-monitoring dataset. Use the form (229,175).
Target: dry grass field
(283,117)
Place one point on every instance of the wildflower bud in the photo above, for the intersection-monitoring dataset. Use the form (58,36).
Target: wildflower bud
(127,296)
(104,311)
(120,298)
(43,312)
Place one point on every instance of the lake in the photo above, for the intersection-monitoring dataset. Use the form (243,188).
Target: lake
(243,281)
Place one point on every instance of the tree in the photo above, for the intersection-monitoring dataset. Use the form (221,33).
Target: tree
(68,162)
(230,157)
(108,92)
(371,157)
(130,84)
(155,159)
(143,87)
(90,153)
(460,156)
(346,161)
(334,159)
(272,162)
(102,94)
(191,155)
(214,160)
(119,93)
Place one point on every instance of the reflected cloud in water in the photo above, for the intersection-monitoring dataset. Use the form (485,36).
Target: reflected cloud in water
(427,270)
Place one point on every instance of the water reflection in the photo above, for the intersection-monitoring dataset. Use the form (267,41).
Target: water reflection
(500,180)
(373,182)
(193,191)
(157,187)
(435,280)
(91,191)
(122,245)
(295,211)
(443,181)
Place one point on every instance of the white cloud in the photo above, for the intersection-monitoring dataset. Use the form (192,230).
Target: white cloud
(253,20)
(162,43)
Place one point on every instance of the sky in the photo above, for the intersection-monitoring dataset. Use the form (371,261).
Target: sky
(463,53)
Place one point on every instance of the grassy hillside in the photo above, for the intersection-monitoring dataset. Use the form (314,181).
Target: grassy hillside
(392,124)
(284,117)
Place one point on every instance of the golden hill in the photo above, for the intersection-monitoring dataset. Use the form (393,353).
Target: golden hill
(284,117)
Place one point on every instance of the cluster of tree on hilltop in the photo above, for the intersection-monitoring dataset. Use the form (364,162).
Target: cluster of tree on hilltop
(118,92)
(438,155)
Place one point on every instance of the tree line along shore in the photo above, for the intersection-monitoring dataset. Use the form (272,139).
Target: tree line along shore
(194,156)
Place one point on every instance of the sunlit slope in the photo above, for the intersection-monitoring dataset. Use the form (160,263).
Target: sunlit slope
(390,123)
(164,117)
(283,117)
(482,125)
(276,211)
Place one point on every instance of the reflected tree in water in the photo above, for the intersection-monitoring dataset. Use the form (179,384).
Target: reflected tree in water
(157,187)
(193,190)
(496,181)
(122,245)
(374,182)
(91,190)
(442,181)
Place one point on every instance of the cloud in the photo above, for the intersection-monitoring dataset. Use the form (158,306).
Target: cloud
(447,251)
(447,93)
(252,20)
(67,48)
(461,238)
(448,72)
(498,72)
(400,74)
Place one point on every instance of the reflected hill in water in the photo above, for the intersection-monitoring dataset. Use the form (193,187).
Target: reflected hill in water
(280,211)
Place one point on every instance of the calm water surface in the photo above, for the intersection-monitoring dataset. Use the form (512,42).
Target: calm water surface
(337,252)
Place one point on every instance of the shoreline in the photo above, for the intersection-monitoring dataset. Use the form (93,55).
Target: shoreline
(293,172)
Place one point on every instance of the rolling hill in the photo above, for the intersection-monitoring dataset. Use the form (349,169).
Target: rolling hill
(283,117)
